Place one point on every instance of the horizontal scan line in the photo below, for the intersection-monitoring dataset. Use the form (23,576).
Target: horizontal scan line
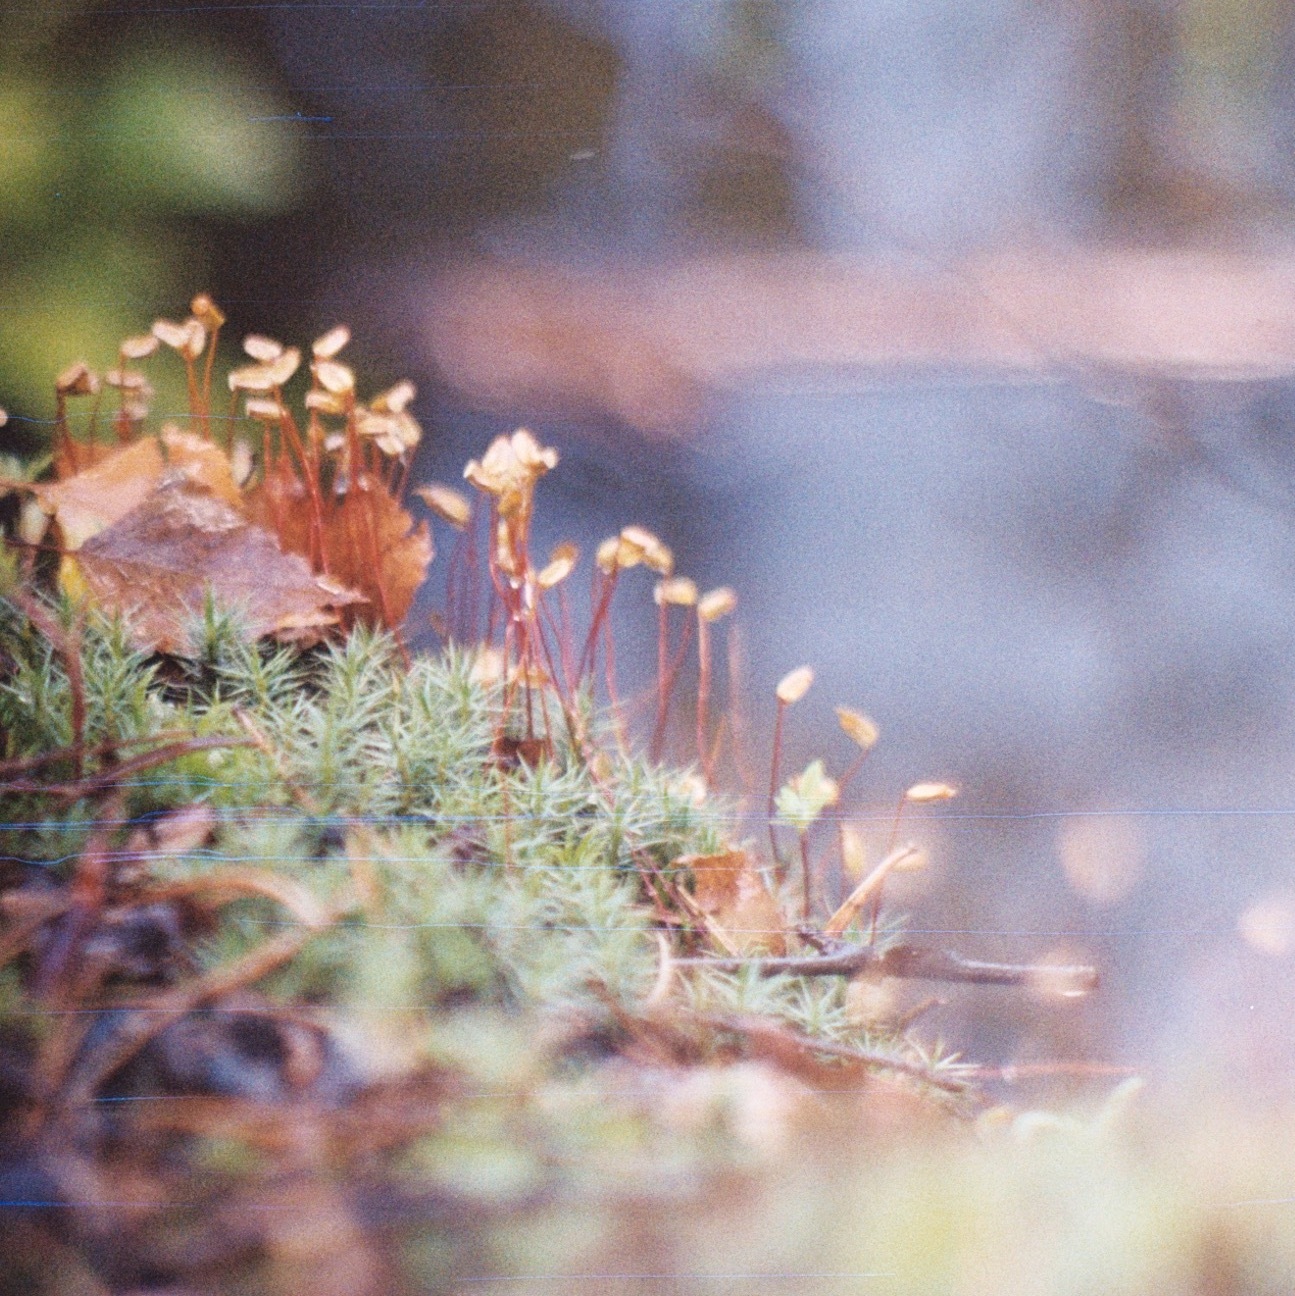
(695,814)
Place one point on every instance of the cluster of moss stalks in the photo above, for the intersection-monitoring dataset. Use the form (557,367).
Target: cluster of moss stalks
(307,943)
(327,968)
(289,932)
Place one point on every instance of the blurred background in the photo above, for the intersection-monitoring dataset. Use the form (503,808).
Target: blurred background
(958,337)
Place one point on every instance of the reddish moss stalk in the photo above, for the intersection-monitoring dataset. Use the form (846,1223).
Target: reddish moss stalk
(703,692)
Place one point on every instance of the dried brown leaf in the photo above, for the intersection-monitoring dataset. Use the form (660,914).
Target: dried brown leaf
(730,891)
(89,501)
(370,543)
(370,522)
(156,565)
(203,462)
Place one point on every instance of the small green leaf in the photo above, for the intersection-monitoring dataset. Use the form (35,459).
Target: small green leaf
(805,796)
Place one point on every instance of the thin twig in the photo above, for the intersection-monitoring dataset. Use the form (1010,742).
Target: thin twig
(150,1017)
(771,807)
(25,764)
(93,784)
(759,1030)
(910,963)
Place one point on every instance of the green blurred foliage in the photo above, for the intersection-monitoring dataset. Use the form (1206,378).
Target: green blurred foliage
(115,156)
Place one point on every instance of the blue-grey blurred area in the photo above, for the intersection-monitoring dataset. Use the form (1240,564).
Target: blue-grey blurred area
(1067,592)
(1086,628)
(1066,587)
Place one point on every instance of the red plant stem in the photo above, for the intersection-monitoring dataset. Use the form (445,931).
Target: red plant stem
(855,766)
(565,692)
(662,651)
(1015,1071)
(510,684)
(402,476)
(566,645)
(498,595)
(703,691)
(527,657)
(92,432)
(25,764)
(354,450)
(609,670)
(774,762)
(874,911)
(95,783)
(567,703)
(121,424)
(722,731)
(534,637)
(271,492)
(737,717)
(451,581)
(510,866)
(677,663)
(64,433)
(894,827)
(590,652)
(196,408)
(230,419)
(804,877)
(206,378)
(314,440)
(471,583)
(548,723)
(375,558)
(673,673)
(319,559)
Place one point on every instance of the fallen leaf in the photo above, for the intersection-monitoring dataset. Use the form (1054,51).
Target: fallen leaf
(730,891)
(202,462)
(117,479)
(89,501)
(370,543)
(373,546)
(281,504)
(157,563)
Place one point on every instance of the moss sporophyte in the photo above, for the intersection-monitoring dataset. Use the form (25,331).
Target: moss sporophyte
(260,853)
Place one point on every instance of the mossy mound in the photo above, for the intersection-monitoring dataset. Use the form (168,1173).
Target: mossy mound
(296,932)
